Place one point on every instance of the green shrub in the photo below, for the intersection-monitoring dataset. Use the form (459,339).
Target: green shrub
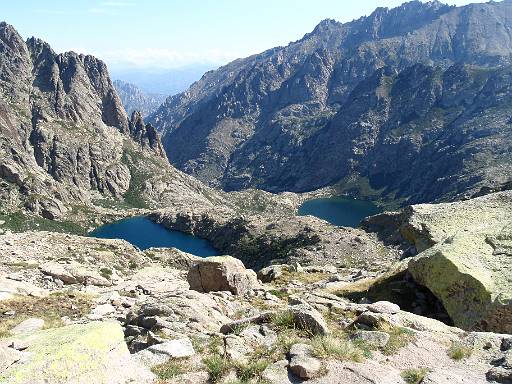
(334,347)
(251,370)
(398,338)
(216,366)
(414,375)
(283,320)
(169,369)
(459,351)
(106,273)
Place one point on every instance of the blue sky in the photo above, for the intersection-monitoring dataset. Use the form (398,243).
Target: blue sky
(175,33)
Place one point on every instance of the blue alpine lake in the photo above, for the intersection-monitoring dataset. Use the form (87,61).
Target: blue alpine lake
(144,234)
(340,211)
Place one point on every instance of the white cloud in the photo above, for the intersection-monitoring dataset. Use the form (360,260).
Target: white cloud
(97,10)
(110,7)
(118,4)
(165,58)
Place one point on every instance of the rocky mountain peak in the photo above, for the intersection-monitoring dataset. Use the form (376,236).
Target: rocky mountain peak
(388,22)
(326,25)
(10,37)
(135,99)
(260,121)
(64,133)
(145,134)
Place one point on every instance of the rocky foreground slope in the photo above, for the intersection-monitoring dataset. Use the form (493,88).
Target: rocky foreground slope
(119,315)
(411,104)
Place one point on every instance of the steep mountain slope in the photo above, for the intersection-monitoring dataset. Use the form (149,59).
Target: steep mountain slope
(65,139)
(412,102)
(134,99)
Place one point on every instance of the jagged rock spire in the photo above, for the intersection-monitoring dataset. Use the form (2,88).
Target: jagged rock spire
(145,134)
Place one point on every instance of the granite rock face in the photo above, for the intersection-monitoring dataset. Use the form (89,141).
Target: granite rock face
(75,354)
(400,101)
(65,138)
(464,255)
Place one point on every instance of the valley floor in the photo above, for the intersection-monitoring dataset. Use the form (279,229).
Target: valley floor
(78,309)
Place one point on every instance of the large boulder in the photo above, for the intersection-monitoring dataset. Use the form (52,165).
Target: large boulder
(302,363)
(93,353)
(465,256)
(222,273)
(470,274)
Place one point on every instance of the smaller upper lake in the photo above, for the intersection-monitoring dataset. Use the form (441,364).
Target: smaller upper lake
(144,234)
(341,211)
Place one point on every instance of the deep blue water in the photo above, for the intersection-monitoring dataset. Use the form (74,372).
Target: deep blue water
(144,234)
(339,211)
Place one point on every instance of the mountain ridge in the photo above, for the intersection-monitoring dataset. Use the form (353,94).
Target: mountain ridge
(66,142)
(266,106)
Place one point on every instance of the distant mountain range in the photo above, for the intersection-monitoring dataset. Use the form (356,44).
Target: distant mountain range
(412,103)
(134,99)
(163,81)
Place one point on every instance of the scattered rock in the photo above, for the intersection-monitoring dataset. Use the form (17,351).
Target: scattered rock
(270,273)
(103,310)
(384,307)
(302,364)
(234,325)
(9,287)
(372,338)
(222,273)
(465,256)
(28,326)
(277,373)
(58,271)
(305,367)
(506,344)
(174,348)
(500,375)
(9,357)
(300,350)
(190,378)
(309,318)
(74,274)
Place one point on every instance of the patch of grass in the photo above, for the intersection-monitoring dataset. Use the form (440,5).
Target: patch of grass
(414,375)
(259,303)
(239,328)
(106,273)
(459,351)
(337,348)
(169,369)
(215,344)
(398,338)
(126,293)
(283,320)
(303,277)
(252,370)
(279,294)
(21,265)
(216,366)
(285,340)
(21,222)
(133,265)
(51,309)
